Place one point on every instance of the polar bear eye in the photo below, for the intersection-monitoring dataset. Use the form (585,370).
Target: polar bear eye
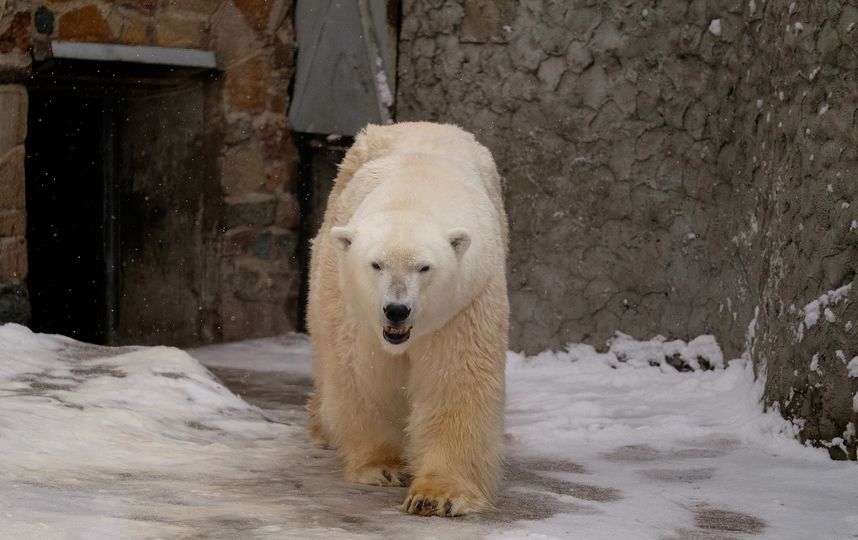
(376,266)
(424,268)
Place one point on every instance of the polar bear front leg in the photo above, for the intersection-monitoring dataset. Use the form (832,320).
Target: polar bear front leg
(366,433)
(456,428)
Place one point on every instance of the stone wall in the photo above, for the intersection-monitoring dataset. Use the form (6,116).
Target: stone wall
(254,278)
(606,120)
(13,226)
(796,151)
(675,169)
(15,29)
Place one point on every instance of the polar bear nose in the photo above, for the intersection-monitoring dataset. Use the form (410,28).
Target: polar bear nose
(396,313)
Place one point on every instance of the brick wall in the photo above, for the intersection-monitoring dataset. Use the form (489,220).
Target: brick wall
(256,276)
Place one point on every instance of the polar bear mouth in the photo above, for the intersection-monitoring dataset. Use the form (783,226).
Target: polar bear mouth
(396,335)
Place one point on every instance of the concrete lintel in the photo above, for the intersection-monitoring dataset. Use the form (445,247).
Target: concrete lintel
(193,58)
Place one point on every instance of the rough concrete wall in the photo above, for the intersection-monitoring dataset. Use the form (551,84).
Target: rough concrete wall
(606,120)
(797,147)
(680,168)
(251,251)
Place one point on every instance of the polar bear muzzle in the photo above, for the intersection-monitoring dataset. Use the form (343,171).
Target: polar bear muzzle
(396,335)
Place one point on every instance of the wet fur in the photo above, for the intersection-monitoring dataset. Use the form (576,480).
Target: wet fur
(433,415)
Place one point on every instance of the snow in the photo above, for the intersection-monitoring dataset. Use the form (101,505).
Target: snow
(811,311)
(715,27)
(853,368)
(814,364)
(382,87)
(145,442)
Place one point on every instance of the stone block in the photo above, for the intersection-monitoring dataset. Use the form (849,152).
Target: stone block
(284,49)
(14,304)
(239,129)
(180,32)
(281,175)
(13,110)
(242,169)
(147,6)
(246,86)
(255,12)
(206,7)
(578,57)
(256,210)
(241,241)
(259,280)
(84,24)
(16,36)
(487,21)
(288,212)
(276,139)
(284,245)
(12,179)
(13,260)
(135,31)
(243,319)
(15,65)
(232,38)
(13,223)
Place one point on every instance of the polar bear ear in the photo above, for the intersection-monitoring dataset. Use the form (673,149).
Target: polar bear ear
(460,241)
(343,236)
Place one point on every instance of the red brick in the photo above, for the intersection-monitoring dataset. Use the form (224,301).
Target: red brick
(247,87)
(256,12)
(12,179)
(17,35)
(84,24)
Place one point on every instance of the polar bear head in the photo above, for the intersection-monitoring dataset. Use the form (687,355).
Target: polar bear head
(402,274)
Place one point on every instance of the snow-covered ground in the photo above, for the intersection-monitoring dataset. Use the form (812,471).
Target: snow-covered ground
(113,443)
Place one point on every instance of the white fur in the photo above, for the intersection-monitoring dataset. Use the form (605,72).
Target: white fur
(415,218)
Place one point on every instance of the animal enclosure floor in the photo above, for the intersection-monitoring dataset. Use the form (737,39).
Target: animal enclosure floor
(140,442)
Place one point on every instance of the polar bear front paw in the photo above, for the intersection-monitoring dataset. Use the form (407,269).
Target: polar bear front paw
(390,474)
(441,498)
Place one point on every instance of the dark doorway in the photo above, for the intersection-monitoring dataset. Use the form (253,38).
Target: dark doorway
(123,202)
(68,215)
(319,158)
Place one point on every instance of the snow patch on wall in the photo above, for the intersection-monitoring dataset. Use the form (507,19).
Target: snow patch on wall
(715,27)
(853,368)
(814,309)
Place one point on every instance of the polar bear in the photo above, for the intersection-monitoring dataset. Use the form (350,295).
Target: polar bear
(408,316)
